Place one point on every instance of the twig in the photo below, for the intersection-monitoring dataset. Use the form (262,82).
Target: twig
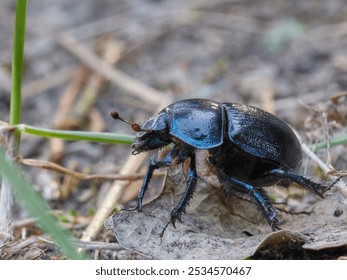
(327,137)
(127,83)
(25,222)
(42,85)
(338,173)
(111,52)
(340,184)
(65,105)
(112,198)
(11,248)
(132,86)
(95,245)
(80,176)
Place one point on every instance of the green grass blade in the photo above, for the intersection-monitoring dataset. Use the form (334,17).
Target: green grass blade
(37,207)
(76,135)
(17,61)
(341,140)
(13,138)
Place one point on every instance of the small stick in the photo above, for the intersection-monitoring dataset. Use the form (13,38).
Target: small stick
(112,198)
(134,87)
(340,184)
(60,169)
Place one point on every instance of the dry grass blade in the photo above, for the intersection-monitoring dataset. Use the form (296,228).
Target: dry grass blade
(80,176)
(338,173)
(69,96)
(129,84)
(12,248)
(112,198)
(65,105)
(42,85)
(340,184)
(76,104)
(94,245)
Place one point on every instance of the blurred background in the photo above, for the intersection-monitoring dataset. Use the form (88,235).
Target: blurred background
(84,58)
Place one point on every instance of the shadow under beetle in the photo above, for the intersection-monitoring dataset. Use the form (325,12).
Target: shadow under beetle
(248,149)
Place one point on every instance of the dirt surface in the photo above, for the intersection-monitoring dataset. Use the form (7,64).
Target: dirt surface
(85,58)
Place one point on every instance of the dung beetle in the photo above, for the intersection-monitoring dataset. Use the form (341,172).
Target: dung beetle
(248,149)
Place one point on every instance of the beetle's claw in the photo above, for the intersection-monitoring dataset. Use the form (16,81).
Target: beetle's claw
(273,221)
(322,189)
(275,228)
(161,234)
(173,222)
(274,225)
(176,216)
(333,183)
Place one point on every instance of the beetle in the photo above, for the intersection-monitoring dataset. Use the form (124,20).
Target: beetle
(248,149)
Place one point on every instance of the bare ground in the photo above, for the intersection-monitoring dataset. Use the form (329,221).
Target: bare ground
(85,58)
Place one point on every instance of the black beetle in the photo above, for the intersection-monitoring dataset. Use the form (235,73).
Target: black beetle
(248,149)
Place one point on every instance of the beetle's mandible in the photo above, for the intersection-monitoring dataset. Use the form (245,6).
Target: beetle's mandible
(248,149)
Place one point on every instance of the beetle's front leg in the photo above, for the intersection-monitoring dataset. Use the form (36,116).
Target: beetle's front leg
(152,166)
(155,164)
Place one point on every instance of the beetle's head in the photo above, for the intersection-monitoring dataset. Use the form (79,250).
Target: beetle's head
(153,134)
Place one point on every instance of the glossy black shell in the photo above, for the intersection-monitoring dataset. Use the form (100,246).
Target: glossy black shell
(206,124)
(247,149)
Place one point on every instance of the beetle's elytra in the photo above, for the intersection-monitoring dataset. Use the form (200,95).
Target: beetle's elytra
(248,149)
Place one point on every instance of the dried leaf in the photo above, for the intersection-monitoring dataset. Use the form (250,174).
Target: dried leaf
(210,230)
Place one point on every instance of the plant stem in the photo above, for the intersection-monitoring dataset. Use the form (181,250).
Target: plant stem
(17,67)
(77,135)
(342,140)
(6,195)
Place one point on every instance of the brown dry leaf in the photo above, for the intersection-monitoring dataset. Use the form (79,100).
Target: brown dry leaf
(211,230)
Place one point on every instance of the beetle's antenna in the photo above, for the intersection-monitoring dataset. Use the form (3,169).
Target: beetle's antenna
(136,127)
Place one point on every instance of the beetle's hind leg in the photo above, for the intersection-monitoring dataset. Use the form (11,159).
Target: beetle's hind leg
(176,213)
(315,187)
(261,198)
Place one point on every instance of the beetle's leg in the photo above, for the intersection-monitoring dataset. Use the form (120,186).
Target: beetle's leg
(260,198)
(317,188)
(269,211)
(154,164)
(176,213)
